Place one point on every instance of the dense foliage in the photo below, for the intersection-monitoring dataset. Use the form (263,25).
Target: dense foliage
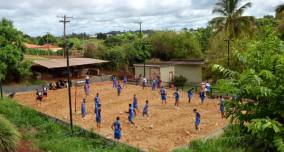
(179,81)
(257,89)
(9,135)
(12,65)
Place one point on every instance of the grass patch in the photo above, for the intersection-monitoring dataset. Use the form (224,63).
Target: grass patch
(48,135)
(231,141)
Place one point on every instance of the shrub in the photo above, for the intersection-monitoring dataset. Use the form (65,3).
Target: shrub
(9,136)
(179,81)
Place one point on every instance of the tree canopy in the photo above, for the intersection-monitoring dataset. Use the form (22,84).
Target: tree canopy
(232,22)
(12,65)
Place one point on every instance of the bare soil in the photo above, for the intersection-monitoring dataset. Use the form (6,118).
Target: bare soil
(171,127)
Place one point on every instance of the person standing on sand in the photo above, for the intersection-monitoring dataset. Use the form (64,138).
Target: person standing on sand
(145,109)
(222,107)
(202,96)
(144,82)
(135,104)
(189,95)
(163,93)
(119,88)
(124,81)
(98,117)
(197,119)
(131,114)
(44,90)
(97,102)
(177,96)
(116,127)
(87,86)
(83,108)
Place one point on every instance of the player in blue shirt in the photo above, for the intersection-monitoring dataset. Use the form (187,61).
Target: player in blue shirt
(202,96)
(189,95)
(84,108)
(124,80)
(153,85)
(197,119)
(98,116)
(163,93)
(131,114)
(177,96)
(114,82)
(97,101)
(145,109)
(116,127)
(119,88)
(222,107)
(135,104)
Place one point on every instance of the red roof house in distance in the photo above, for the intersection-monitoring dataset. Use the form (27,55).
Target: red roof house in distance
(43,47)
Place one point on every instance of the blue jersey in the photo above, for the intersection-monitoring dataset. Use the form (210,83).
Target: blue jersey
(176,94)
(87,81)
(117,127)
(197,118)
(119,88)
(131,111)
(145,109)
(135,102)
(222,105)
(83,109)
(97,100)
(202,94)
(98,115)
(189,93)
(125,79)
(163,92)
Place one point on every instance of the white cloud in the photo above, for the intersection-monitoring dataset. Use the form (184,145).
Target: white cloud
(36,17)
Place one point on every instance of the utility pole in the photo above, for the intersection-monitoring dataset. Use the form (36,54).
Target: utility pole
(66,51)
(228,47)
(47,43)
(142,45)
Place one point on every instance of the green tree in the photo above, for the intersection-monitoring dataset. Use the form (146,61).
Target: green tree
(12,66)
(280,16)
(171,45)
(257,90)
(47,39)
(116,57)
(232,22)
(280,11)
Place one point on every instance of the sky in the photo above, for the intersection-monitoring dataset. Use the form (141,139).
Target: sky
(38,17)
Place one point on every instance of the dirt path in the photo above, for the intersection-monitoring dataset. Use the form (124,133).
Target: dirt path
(171,127)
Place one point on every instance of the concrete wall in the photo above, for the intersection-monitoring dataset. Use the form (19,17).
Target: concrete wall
(165,73)
(193,73)
(140,70)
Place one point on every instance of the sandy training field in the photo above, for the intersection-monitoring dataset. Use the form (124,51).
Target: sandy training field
(172,127)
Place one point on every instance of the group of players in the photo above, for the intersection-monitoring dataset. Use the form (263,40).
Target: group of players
(133,110)
(133,107)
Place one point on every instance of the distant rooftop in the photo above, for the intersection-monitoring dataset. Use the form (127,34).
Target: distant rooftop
(61,63)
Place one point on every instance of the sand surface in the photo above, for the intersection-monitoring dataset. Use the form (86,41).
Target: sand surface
(172,127)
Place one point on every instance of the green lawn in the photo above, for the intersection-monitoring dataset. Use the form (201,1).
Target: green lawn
(50,136)
(231,141)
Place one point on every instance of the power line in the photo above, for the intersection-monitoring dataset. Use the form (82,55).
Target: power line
(66,54)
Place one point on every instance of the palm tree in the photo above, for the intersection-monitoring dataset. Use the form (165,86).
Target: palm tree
(280,11)
(280,16)
(231,22)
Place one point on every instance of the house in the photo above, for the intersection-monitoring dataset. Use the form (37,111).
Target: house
(190,69)
(53,68)
(163,71)
(43,47)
